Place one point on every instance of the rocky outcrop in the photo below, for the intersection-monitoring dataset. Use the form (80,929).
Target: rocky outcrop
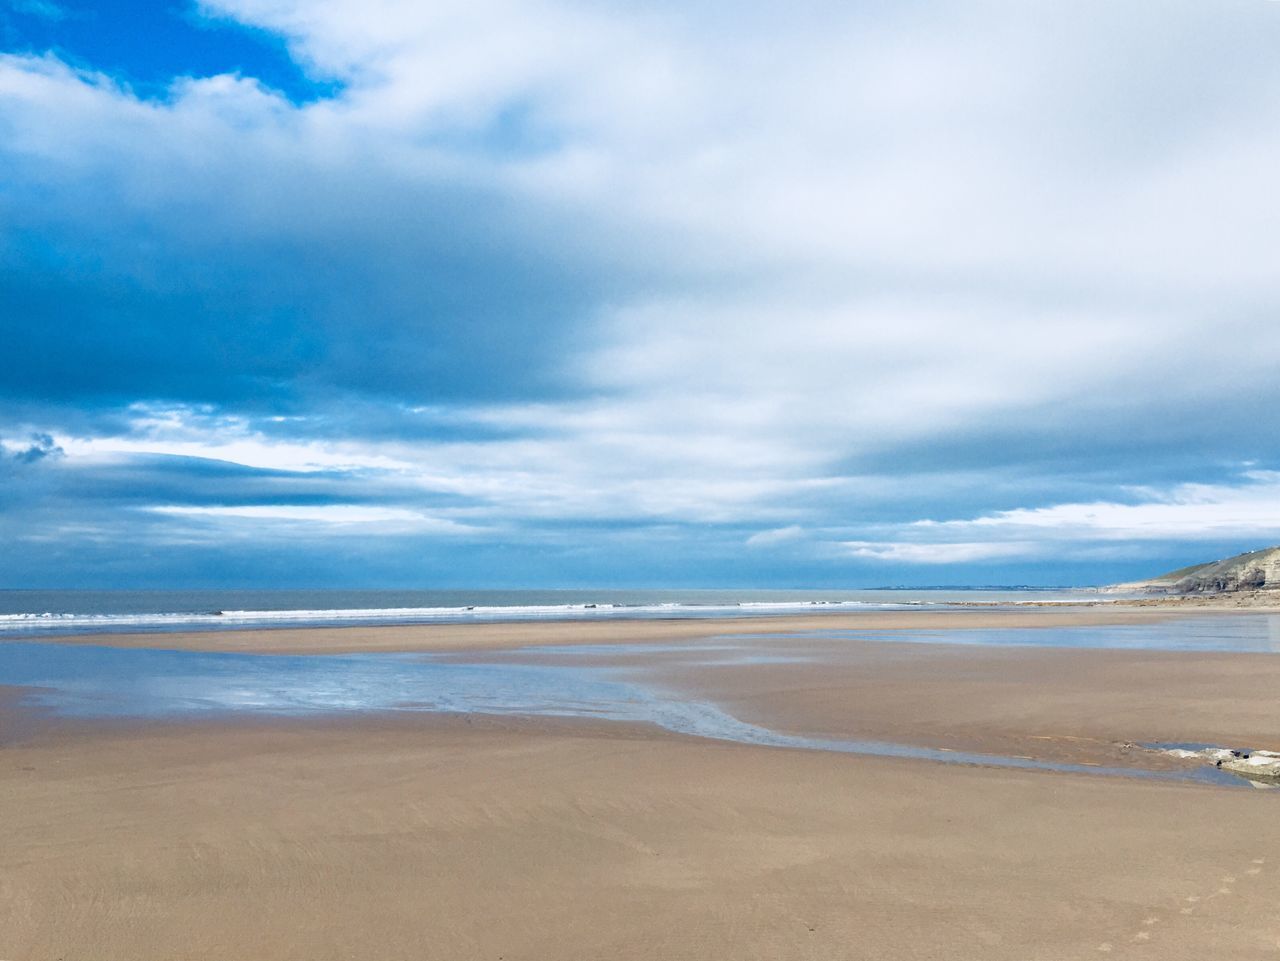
(1260,766)
(1255,571)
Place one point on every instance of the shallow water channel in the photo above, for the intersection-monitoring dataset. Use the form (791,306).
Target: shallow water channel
(85,681)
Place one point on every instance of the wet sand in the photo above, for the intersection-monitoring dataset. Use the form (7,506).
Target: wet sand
(452,838)
(1055,704)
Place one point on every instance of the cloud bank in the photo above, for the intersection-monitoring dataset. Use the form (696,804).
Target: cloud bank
(545,293)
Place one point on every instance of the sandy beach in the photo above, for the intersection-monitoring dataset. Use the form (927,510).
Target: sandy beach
(458,837)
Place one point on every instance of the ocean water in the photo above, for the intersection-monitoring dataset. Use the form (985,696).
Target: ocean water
(35,613)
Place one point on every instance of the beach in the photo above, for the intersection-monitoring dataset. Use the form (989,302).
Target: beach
(452,836)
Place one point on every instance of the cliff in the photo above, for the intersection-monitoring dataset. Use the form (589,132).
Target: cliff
(1257,570)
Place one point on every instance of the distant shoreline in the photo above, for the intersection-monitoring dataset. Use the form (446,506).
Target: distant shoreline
(45,613)
(451,637)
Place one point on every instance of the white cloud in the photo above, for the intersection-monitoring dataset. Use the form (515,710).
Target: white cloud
(779,535)
(338,515)
(939,554)
(238,446)
(1248,511)
(1186,512)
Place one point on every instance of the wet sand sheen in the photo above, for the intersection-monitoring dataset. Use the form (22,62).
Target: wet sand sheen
(619,683)
(168,686)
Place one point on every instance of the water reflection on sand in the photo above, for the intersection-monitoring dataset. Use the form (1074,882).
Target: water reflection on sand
(88,681)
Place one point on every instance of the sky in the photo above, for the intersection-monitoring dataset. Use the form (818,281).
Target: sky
(496,293)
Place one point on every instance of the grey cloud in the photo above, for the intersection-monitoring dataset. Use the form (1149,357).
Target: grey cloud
(37,448)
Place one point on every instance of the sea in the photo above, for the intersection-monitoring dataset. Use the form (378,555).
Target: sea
(43,613)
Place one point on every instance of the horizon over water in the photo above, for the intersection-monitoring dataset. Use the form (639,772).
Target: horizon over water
(36,612)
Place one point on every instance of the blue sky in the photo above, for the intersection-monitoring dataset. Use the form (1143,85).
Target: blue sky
(145,45)
(555,293)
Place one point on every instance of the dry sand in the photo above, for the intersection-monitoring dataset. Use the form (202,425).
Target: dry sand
(443,841)
(454,838)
